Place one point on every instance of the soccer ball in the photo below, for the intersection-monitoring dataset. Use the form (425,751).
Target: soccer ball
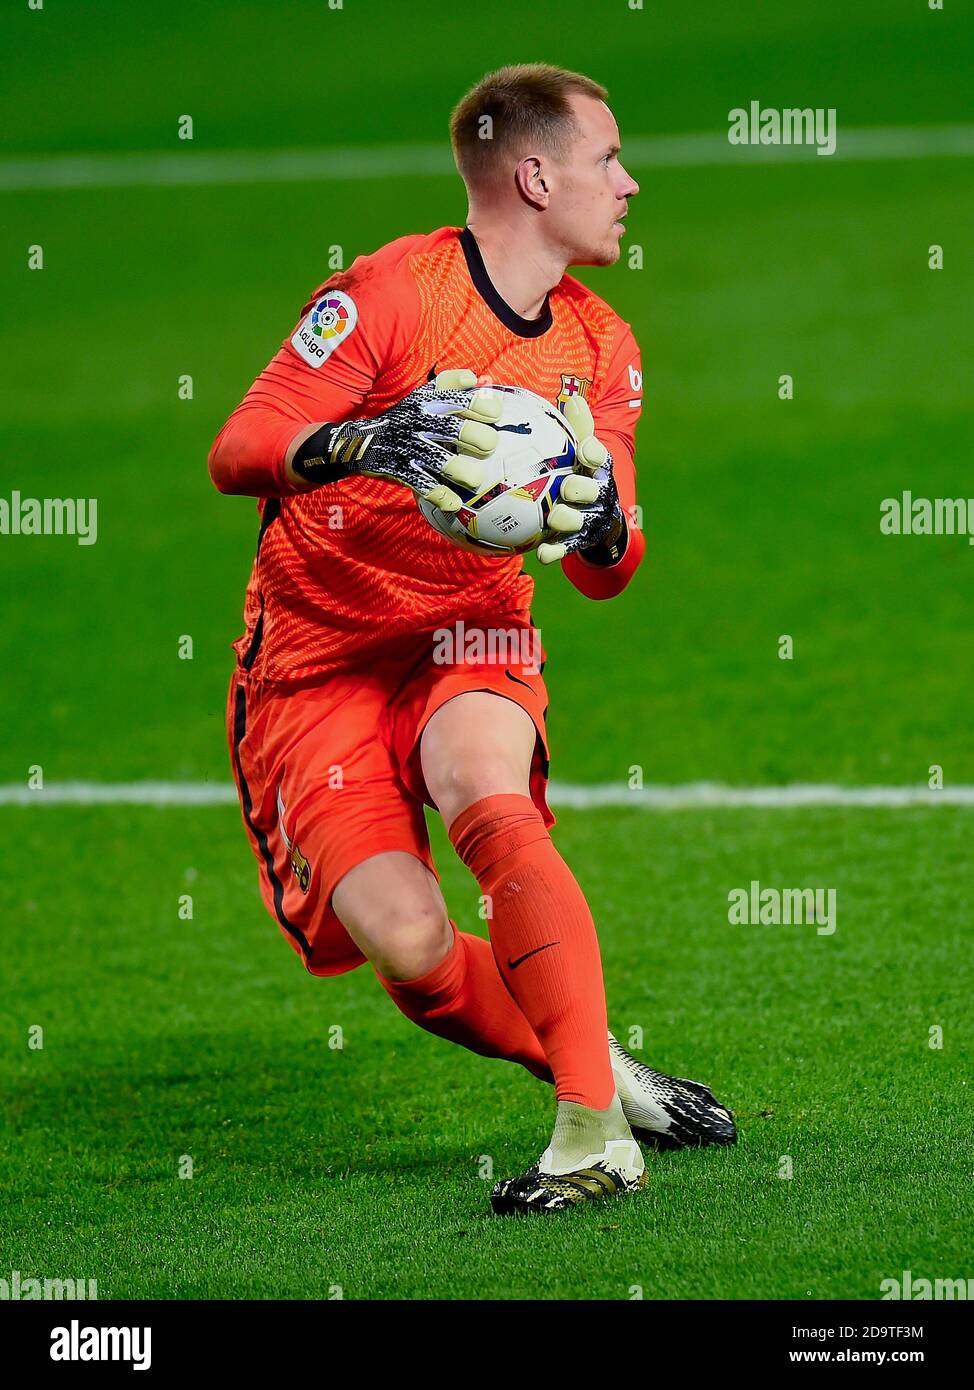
(521,481)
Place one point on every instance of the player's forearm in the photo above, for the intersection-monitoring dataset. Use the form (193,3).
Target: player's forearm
(251,456)
(596,575)
(605,581)
(263,452)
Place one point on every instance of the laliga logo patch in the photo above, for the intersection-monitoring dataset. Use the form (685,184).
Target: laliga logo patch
(330,322)
(329,318)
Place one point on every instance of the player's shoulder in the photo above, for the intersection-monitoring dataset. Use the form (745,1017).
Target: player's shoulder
(380,271)
(592,309)
(372,309)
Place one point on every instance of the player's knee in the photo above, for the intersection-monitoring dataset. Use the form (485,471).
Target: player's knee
(403,936)
(411,942)
(393,910)
(458,785)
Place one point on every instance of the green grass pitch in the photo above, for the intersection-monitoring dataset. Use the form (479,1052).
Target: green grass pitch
(360,1167)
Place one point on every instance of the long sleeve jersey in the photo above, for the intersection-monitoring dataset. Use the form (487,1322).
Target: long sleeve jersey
(348,568)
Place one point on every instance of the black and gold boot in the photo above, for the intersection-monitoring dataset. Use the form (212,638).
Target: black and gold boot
(613,1175)
(592,1155)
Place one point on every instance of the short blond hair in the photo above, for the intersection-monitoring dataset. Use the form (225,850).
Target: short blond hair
(527,105)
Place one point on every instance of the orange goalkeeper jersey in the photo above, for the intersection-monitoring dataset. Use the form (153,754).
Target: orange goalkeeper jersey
(349,569)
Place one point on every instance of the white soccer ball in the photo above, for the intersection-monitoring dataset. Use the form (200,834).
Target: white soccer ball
(521,480)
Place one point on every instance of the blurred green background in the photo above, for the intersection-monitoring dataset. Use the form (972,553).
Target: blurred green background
(762,516)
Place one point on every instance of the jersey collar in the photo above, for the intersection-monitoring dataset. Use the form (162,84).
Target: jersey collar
(482,283)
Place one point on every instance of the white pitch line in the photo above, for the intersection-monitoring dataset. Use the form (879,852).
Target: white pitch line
(717,795)
(568,796)
(120,794)
(698,149)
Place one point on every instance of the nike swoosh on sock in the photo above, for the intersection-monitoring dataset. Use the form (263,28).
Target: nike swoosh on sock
(513,964)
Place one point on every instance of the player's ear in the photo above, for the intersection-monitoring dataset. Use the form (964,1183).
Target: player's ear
(530,181)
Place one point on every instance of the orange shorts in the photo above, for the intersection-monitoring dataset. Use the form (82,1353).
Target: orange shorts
(329,775)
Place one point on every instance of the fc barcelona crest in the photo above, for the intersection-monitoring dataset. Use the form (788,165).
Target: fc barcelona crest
(299,864)
(301,869)
(571,387)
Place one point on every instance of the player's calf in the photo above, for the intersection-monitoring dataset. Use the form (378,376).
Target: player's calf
(443,980)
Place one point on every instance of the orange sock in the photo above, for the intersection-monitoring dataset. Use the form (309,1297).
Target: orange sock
(543,939)
(463,998)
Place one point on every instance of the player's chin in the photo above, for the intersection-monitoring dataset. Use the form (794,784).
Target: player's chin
(607,253)
(611,252)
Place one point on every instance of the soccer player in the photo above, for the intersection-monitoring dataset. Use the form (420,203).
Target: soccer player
(341,721)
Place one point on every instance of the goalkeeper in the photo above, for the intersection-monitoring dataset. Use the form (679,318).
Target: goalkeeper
(343,722)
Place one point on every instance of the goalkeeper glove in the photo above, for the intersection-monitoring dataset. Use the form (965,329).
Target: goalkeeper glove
(587,518)
(436,433)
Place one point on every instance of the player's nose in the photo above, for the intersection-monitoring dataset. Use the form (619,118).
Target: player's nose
(630,187)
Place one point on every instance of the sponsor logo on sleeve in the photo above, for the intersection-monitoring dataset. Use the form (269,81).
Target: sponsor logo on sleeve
(330,323)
